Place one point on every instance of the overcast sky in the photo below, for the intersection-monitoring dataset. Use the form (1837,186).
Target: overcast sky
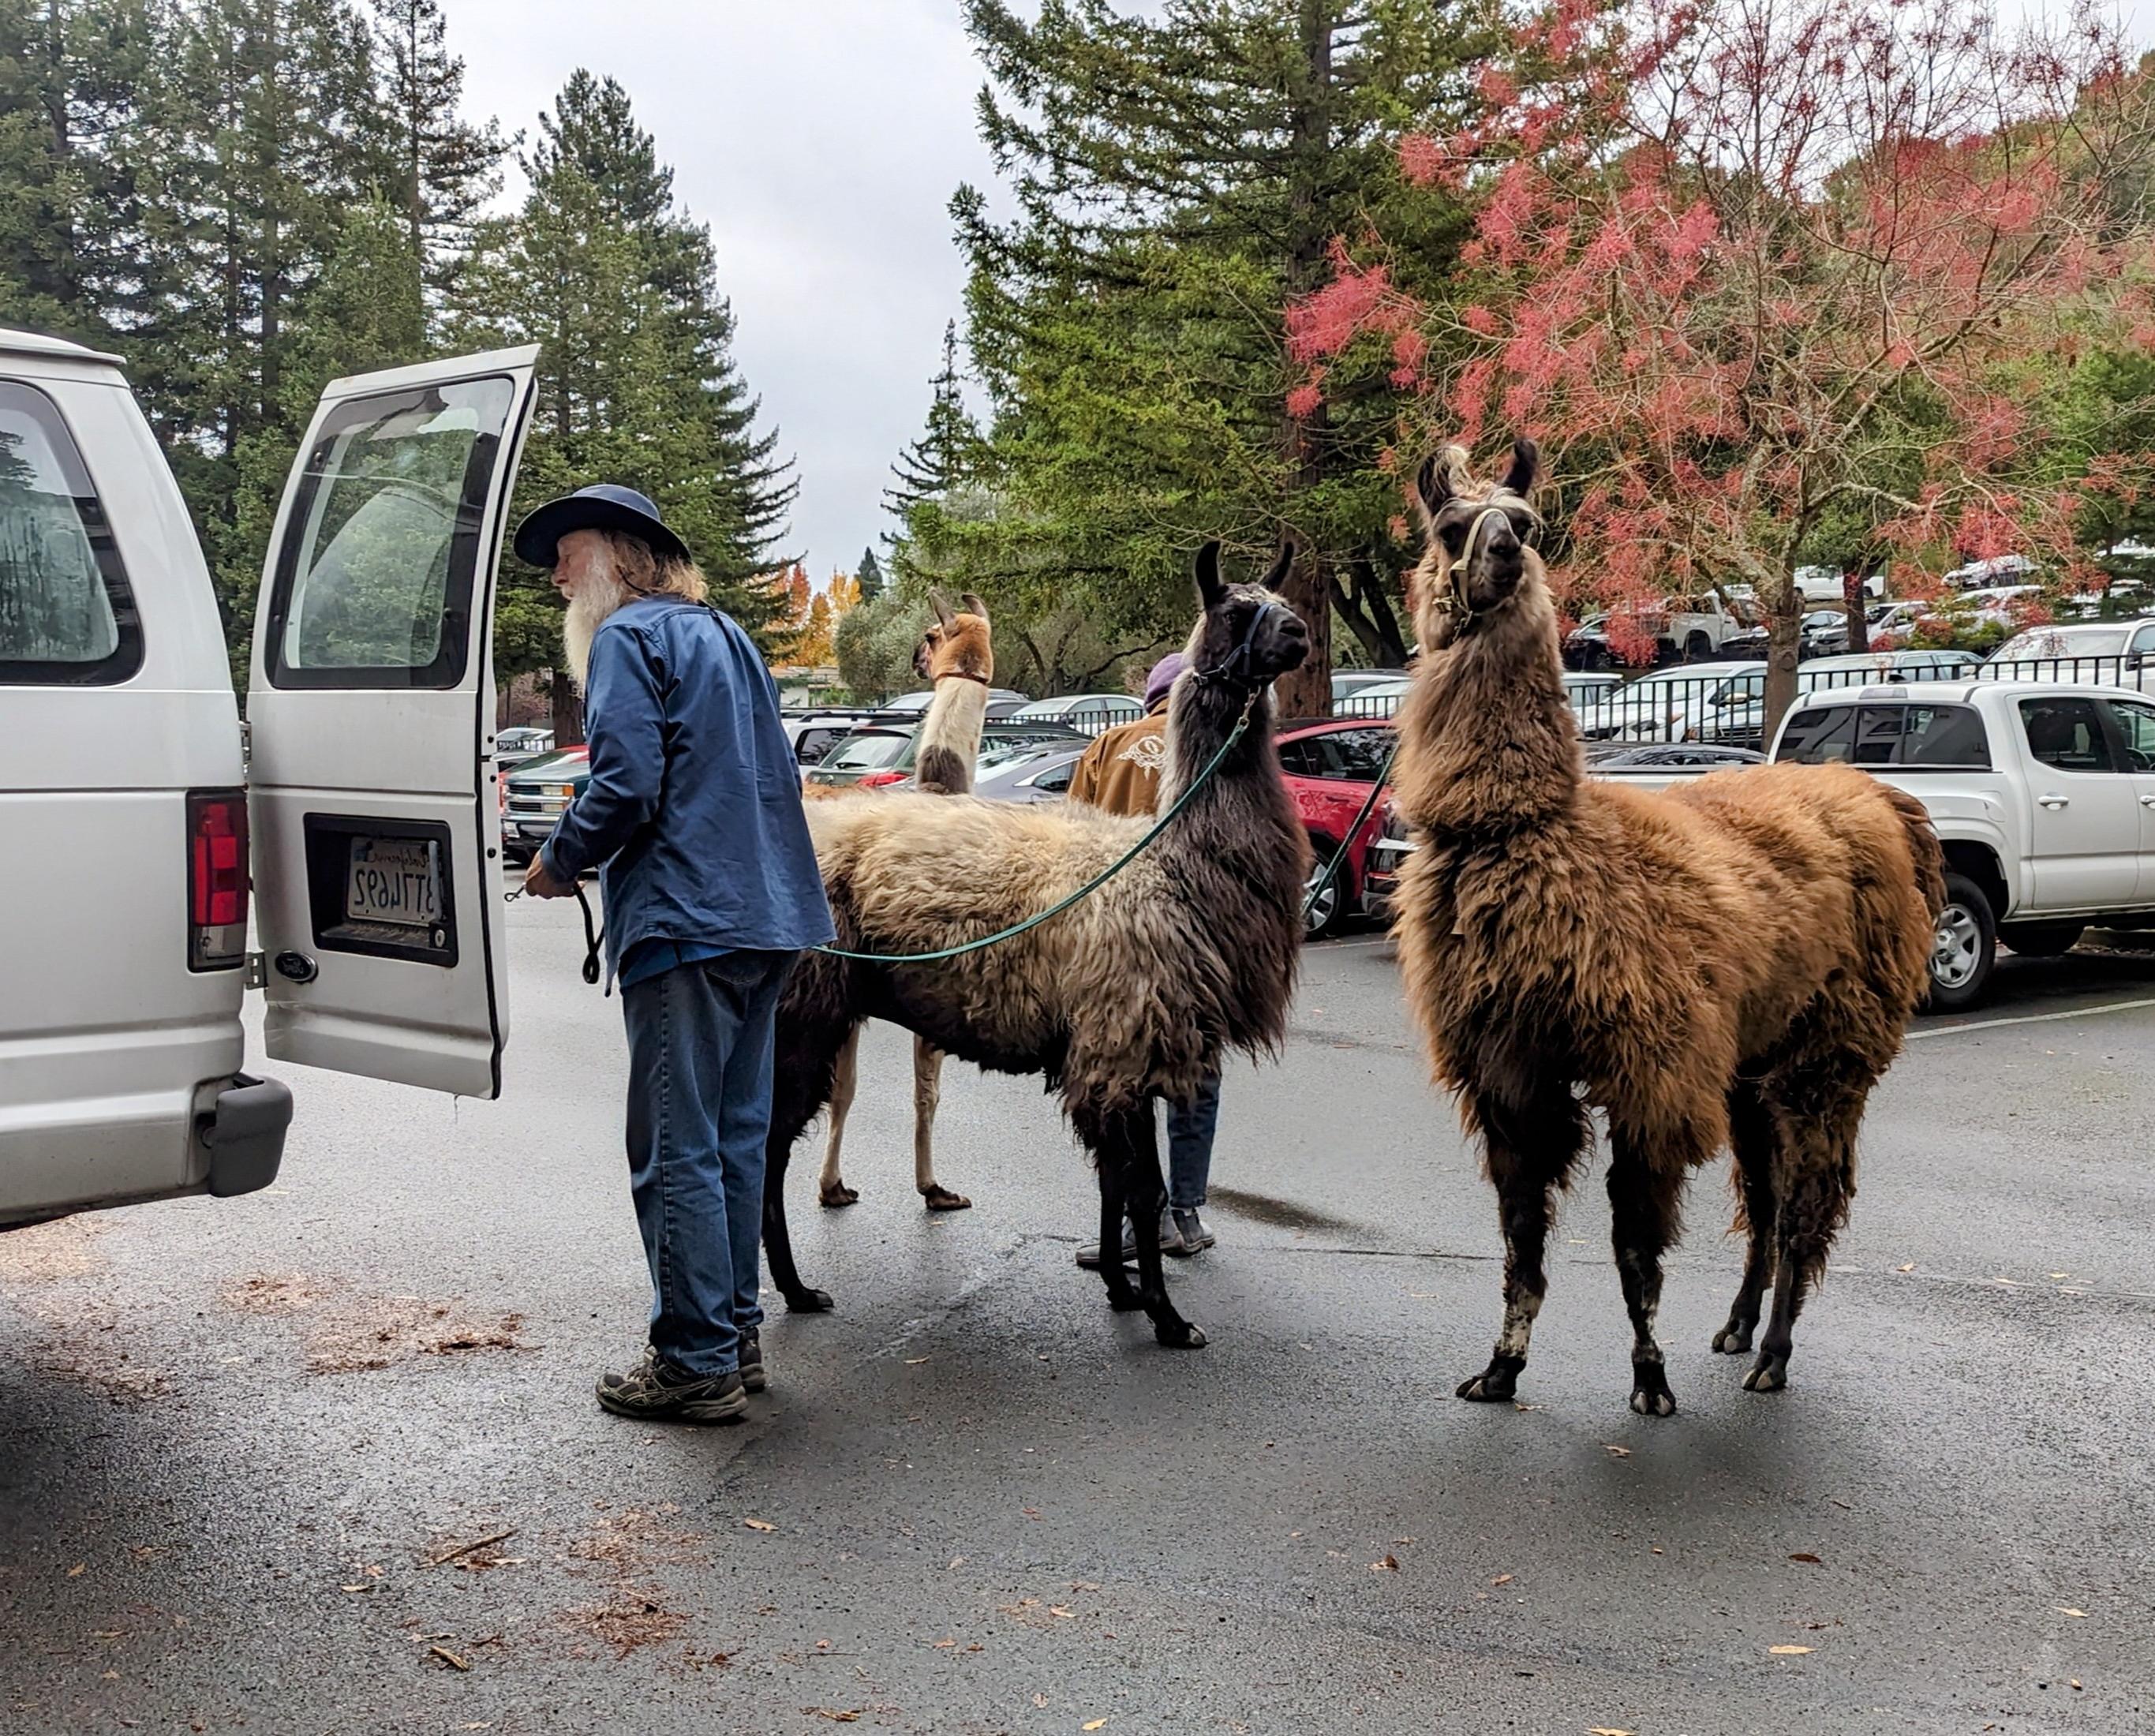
(821,141)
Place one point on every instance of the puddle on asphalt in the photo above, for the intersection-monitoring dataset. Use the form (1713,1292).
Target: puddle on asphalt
(1284,1214)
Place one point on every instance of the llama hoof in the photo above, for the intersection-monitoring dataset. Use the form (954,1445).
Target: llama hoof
(835,1194)
(808,1302)
(1769,1374)
(941,1199)
(1499,1380)
(1178,1334)
(1650,1391)
(1734,1339)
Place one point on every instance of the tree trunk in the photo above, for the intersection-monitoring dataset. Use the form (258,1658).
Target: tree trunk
(1370,615)
(1853,599)
(568,710)
(1784,628)
(1307,692)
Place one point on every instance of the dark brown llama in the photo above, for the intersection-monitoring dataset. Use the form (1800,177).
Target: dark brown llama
(1127,998)
(1731,964)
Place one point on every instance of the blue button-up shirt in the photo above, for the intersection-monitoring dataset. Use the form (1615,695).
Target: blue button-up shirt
(694,805)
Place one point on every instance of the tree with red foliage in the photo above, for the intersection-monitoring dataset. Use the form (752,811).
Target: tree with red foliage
(1745,265)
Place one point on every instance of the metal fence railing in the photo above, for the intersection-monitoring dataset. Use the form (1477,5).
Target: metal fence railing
(1729,708)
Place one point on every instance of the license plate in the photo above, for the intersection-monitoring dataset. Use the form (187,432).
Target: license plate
(396,880)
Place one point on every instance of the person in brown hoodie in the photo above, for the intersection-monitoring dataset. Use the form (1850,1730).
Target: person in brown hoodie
(1120,773)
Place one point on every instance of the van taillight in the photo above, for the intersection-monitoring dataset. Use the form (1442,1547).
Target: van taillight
(216,879)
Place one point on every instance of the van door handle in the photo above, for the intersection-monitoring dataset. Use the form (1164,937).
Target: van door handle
(2053,800)
(2148,801)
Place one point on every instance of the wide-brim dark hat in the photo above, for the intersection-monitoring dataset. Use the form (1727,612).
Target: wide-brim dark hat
(603,506)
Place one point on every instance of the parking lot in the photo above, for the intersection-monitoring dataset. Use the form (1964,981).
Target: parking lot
(324,1459)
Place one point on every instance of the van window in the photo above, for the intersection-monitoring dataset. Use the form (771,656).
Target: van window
(67,614)
(1814,737)
(375,575)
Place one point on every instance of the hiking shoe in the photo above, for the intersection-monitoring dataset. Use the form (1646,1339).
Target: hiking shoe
(751,1362)
(1190,1234)
(658,1391)
(1088,1256)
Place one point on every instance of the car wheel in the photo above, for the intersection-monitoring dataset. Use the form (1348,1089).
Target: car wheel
(2042,940)
(1698,648)
(1322,911)
(1963,948)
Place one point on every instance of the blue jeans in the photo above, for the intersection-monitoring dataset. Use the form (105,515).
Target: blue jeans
(699,1055)
(1189,1146)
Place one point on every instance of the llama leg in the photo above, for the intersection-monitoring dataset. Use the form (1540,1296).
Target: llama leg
(1751,1133)
(1111,1164)
(1529,1150)
(927,1094)
(1820,1158)
(1643,1208)
(1145,1198)
(813,1028)
(830,1187)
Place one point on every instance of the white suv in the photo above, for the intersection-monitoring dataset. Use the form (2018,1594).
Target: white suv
(367,826)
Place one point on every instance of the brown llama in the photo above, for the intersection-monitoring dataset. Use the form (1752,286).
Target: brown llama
(1731,964)
(1127,997)
(957,656)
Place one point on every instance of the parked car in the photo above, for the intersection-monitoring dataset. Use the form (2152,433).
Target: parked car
(1329,767)
(536,794)
(1693,628)
(1370,699)
(2111,653)
(812,736)
(868,756)
(1093,714)
(2042,793)
(1026,773)
(1347,683)
(1668,706)
(911,705)
(1589,694)
(360,838)
(875,767)
(1735,711)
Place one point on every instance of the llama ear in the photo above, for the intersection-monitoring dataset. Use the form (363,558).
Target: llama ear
(1439,478)
(941,605)
(1283,565)
(1211,591)
(974,606)
(1526,465)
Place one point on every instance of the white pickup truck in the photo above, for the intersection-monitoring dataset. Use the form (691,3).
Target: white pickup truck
(2043,794)
(1689,629)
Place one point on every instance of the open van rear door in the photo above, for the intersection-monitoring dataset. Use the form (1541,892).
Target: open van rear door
(376,826)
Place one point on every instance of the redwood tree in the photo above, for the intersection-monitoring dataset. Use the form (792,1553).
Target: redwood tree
(1749,267)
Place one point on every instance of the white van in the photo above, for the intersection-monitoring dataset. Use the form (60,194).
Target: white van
(133,825)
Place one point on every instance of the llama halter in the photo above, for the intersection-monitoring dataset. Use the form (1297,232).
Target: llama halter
(1452,599)
(1236,665)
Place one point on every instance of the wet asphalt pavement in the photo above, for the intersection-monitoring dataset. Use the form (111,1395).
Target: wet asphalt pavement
(240,1441)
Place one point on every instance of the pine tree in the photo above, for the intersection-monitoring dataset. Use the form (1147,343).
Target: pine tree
(869,578)
(638,382)
(72,79)
(944,453)
(441,168)
(1178,179)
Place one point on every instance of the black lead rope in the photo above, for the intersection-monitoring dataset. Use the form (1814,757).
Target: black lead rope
(594,936)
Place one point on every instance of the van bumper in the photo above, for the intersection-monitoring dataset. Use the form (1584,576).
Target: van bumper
(244,1134)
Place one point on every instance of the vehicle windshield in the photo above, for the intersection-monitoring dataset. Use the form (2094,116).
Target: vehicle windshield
(569,760)
(2049,642)
(867,753)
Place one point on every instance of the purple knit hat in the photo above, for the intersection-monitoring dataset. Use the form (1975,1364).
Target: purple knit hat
(1163,678)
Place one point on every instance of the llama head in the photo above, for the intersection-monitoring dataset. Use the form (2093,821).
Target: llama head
(1477,569)
(957,642)
(1248,635)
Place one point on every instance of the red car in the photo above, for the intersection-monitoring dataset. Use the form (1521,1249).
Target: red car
(1329,765)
